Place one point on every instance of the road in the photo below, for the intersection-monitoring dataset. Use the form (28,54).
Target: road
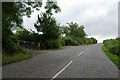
(73,62)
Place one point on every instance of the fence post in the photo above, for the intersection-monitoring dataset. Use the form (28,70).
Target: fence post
(38,44)
(18,43)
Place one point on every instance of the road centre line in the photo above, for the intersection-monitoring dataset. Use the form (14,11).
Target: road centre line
(86,49)
(61,70)
(81,53)
(65,67)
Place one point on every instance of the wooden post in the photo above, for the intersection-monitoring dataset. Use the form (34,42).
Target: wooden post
(18,43)
(38,44)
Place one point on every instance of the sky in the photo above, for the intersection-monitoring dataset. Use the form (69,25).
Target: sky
(99,17)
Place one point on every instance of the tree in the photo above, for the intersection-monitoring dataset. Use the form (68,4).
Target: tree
(52,5)
(94,40)
(48,26)
(76,34)
(64,30)
(12,13)
(74,30)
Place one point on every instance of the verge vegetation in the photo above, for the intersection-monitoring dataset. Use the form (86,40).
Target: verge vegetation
(6,59)
(111,48)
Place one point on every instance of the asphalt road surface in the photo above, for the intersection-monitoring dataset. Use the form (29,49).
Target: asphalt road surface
(73,62)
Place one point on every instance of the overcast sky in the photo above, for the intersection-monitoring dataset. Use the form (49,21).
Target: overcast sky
(99,17)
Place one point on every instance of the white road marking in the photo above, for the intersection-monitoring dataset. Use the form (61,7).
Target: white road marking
(61,70)
(81,53)
(86,49)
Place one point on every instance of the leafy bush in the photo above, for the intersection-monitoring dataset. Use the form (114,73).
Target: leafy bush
(62,42)
(51,44)
(112,46)
(74,41)
(80,40)
(12,48)
(69,41)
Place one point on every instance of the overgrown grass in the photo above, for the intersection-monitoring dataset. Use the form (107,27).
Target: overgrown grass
(115,59)
(6,59)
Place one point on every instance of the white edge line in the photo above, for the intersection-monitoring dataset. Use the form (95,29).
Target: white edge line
(61,70)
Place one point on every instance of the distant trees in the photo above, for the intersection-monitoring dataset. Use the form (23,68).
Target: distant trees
(74,30)
(75,35)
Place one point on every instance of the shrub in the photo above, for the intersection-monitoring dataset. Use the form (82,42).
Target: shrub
(112,46)
(62,42)
(69,41)
(51,44)
(12,48)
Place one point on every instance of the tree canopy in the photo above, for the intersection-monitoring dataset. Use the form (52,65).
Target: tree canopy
(48,25)
(75,35)
(73,29)
(12,13)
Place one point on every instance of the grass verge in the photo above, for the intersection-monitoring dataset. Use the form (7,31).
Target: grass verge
(115,59)
(63,47)
(14,58)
